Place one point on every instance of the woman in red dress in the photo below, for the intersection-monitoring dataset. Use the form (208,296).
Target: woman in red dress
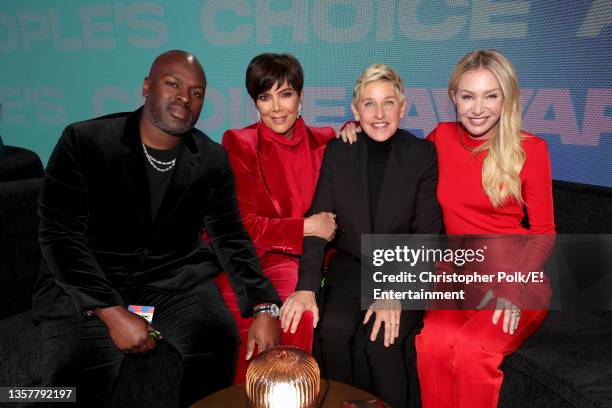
(276,165)
(489,172)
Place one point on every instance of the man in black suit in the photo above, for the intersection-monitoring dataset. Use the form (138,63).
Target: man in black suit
(123,206)
(385,183)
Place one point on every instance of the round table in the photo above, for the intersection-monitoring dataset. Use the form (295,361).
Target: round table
(235,396)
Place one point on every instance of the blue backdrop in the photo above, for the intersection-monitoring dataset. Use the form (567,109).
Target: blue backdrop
(64,61)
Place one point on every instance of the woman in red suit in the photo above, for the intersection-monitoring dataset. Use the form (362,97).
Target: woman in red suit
(489,172)
(276,164)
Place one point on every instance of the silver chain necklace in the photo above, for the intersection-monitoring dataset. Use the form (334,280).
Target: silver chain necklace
(154,162)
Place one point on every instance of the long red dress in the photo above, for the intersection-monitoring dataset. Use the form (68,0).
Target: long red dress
(459,351)
(275,182)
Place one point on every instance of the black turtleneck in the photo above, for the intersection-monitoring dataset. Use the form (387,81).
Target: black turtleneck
(378,153)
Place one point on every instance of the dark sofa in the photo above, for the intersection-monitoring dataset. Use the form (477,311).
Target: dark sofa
(19,263)
(20,354)
(567,363)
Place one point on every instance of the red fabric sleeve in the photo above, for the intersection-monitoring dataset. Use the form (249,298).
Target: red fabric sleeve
(537,188)
(268,234)
(537,194)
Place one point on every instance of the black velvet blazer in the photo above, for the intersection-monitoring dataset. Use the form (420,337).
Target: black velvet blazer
(96,234)
(407,204)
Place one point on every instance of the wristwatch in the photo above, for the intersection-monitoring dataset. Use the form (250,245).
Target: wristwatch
(271,309)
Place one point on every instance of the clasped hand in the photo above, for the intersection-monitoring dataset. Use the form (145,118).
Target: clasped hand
(322,225)
(129,332)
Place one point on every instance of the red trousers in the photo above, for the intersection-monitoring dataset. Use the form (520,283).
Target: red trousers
(459,353)
(283,273)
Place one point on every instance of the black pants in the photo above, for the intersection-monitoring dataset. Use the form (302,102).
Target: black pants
(199,333)
(341,317)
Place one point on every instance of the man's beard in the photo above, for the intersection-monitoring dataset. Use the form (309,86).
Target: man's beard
(156,115)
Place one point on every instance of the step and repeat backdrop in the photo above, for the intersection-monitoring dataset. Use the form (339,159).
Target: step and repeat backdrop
(64,61)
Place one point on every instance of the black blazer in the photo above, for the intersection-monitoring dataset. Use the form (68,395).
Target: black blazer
(96,234)
(407,204)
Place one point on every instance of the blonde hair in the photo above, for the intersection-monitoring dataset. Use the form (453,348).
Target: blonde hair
(505,157)
(378,72)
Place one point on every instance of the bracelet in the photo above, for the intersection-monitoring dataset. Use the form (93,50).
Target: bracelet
(155,334)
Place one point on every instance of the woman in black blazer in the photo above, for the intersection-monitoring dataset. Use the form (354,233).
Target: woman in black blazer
(384,183)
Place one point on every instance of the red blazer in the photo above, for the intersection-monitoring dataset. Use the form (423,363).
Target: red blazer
(266,197)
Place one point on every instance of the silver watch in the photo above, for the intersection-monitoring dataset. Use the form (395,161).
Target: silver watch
(271,309)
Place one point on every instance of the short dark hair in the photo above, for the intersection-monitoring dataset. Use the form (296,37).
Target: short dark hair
(266,70)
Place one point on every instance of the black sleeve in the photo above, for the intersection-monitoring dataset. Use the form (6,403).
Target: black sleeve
(311,261)
(234,248)
(64,214)
(428,219)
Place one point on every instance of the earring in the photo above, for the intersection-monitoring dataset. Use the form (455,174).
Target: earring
(299,110)
(258,116)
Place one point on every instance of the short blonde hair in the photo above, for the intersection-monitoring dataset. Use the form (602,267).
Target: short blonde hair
(378,72)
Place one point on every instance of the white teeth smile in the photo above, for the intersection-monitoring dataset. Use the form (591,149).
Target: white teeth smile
(379,125)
